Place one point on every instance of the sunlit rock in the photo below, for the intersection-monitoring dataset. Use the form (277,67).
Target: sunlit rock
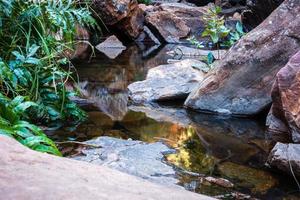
(241,83)
(173,81)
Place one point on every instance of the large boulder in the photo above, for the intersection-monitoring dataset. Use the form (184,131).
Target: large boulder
(284,118)
(165,82)
(175,21)
(26,174)
(286,157)
(241,83)
(123,15)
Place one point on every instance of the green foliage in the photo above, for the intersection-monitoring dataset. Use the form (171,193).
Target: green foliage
(34,36)
(235,35)
(28,134)
(195,42)
(215,25)
(147,2)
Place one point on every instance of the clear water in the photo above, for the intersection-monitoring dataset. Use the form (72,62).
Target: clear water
(222,147)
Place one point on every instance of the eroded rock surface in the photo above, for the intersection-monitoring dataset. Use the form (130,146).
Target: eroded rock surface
(26,174)
(133,157)
(123,15)
(173,81)
(175,21)
(241,84)
(284,118)
(286,157)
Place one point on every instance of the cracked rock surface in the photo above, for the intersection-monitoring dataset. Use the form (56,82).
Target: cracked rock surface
(133,157)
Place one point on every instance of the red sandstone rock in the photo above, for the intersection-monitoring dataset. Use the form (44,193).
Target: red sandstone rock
(284,117)
(241,83)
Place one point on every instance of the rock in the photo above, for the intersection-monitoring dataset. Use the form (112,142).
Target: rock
(26,174)
(258,181)
(111,47)
(164,82)
(132,157)
(241,84)
(219,181)
(121,15)
(284,118)
(173,22)
(286,157)
(188,52)
(111,103)
(258,11)
(164,114)
(169,27)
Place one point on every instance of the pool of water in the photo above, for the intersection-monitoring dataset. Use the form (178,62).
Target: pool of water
(223,147)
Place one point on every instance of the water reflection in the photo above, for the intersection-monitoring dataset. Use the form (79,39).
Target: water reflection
(231,148)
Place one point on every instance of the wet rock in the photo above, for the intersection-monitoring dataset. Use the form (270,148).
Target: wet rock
(188,52)
(50,177)
(284,118)
(173,81)
(122,15)
(111,47)
(112,104)
(175,21)
(241,84)
(132,157)
(226,137)
(219,181)
(286,157)
(258,180)
(164,114)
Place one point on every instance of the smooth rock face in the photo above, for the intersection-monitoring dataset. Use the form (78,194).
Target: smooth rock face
(284,118)
(26,174)
(111,47)
(286,156)
(241,84)
(175,21)
(133,157)
(164,82)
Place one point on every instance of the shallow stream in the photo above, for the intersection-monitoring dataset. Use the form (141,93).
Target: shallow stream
(222,147)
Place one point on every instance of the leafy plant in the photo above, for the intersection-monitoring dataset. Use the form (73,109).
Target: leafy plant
(11,124)
(195,42)
(235,35)
(34,36)
(215,25)
(147,2)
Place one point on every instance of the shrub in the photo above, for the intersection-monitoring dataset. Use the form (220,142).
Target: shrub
(34,34)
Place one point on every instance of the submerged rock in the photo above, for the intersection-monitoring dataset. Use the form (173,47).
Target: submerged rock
(286,157)
(133,157)
(173,81)
(284,118)
(111,47)
(258,180)
(241,83)
(188,52)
